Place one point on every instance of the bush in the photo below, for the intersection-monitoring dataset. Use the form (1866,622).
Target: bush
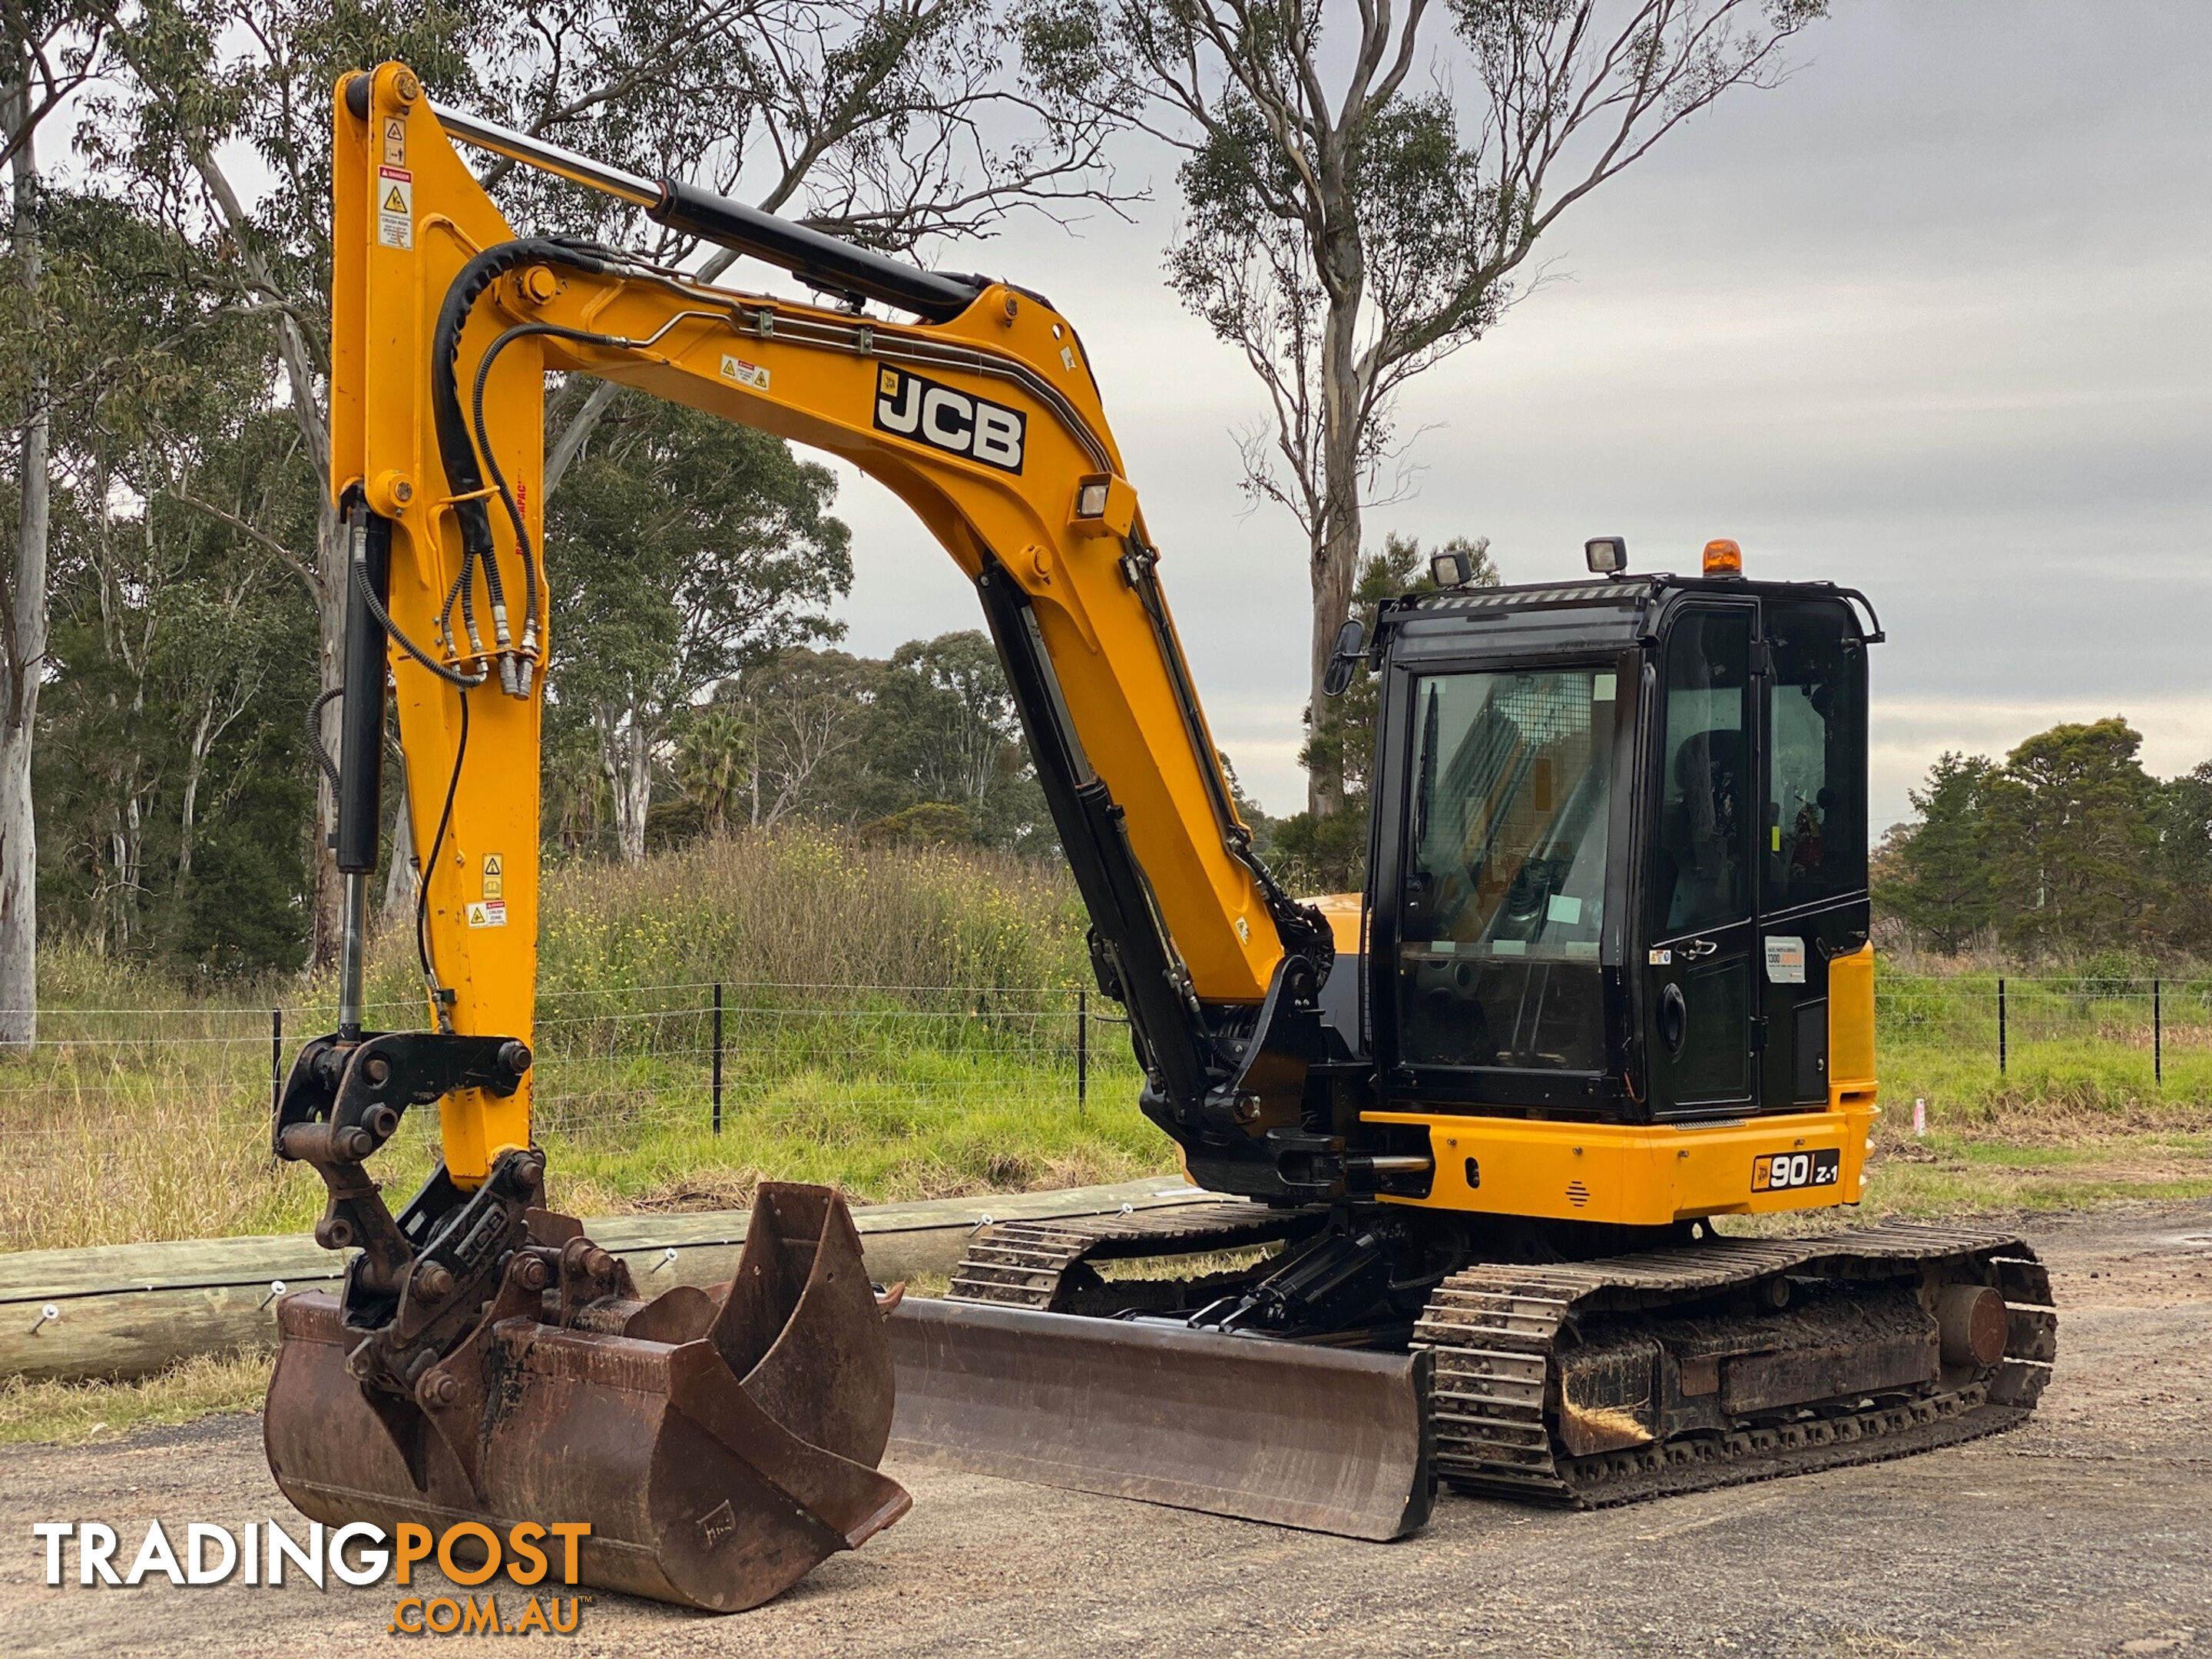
(2115,973)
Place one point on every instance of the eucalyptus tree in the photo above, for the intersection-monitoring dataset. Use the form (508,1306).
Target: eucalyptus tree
(892,121)
(1365,187)
(175,666)
(49,50)
(693,548)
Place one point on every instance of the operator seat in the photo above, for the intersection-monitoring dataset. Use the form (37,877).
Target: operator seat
(1700,865)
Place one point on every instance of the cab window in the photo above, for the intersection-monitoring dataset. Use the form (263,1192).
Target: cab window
(1700,877)
(1816,756)
(1504,897)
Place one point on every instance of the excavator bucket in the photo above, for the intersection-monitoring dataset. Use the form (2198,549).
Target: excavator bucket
(1328,1439)
(720,1444)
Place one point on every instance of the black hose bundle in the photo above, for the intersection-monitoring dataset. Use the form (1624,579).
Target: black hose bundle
(464,447)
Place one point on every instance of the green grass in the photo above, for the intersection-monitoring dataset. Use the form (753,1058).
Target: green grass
(2026,1163)
(75,1413)
(171,1144)
(2078,1115)
(901,1023)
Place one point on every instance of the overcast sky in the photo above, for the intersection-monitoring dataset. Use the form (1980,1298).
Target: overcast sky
(1928,320)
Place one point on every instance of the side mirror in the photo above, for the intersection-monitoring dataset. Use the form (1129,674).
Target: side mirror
(1351,643)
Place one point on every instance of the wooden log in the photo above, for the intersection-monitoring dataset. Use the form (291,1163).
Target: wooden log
(124,1310)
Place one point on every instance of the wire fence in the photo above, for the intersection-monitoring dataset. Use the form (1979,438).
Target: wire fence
(2002,1017)
(612,1058)
(699,1053)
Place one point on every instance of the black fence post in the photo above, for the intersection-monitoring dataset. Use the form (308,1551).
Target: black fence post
(2001,1028)
(1082,1049)
(2157,1036)
(276,1062)
(718,1056)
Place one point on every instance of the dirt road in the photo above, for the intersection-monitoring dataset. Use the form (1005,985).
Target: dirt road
(2089,1532)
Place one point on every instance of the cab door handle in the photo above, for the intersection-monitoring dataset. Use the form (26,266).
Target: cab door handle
(1697,949)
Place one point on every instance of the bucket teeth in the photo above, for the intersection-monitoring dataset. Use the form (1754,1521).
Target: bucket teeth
(720,1444)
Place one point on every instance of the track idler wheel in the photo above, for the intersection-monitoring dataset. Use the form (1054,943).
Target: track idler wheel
(719,1443)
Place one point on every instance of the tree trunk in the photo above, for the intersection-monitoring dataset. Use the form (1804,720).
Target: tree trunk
(633,795)
(187,815)
(626,762)
(25,645)
(188,811)
(1335,568)
(399,880)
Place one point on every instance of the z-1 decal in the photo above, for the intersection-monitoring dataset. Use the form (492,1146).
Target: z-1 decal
(1783,1170)
(910,406)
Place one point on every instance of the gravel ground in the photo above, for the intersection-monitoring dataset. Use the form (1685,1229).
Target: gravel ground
(2088,1532)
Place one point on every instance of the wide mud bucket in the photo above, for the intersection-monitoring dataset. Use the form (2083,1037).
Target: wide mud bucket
(720,1444)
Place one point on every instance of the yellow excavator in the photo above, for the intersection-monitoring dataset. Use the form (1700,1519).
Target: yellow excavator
(1610,979)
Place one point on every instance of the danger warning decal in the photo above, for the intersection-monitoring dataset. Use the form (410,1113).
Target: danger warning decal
(910,406)
(395,207)
(737,369)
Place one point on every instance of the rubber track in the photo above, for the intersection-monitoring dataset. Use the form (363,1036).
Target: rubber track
(1494,1330)
(1025,1264)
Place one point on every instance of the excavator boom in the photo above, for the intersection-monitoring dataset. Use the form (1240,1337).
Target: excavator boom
(983,416)
(480,1340)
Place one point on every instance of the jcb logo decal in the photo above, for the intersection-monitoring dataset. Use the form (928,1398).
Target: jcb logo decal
(1783,1170)
(912,407)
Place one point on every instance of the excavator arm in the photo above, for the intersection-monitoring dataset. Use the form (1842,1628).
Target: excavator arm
(483,1357)
(981,412)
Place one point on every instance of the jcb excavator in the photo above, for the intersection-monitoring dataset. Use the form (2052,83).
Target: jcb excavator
(1610,979)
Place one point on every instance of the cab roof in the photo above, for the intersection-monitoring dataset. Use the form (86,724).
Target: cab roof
(1602,614)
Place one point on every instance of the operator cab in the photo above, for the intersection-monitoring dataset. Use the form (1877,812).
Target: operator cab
(1621,833)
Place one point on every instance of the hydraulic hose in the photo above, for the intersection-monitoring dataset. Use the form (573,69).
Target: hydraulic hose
(464,447)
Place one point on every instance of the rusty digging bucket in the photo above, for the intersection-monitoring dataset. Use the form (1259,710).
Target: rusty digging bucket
(719,1445)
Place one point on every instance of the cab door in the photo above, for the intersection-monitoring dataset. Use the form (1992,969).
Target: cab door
(1700,989)
(1812,878)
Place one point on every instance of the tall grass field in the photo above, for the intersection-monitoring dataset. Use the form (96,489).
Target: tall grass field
(905,1023)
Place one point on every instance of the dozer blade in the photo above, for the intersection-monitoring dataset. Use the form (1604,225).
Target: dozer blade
(1328,1439)
(720,1446)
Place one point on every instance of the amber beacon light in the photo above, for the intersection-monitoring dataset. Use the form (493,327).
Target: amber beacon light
(1723,558)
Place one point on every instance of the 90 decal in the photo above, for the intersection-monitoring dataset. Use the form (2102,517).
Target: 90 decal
(1787,1171)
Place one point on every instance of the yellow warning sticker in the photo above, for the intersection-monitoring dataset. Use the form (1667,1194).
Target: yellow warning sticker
(488,913)
(395,207)
(395,141)
(495,878)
